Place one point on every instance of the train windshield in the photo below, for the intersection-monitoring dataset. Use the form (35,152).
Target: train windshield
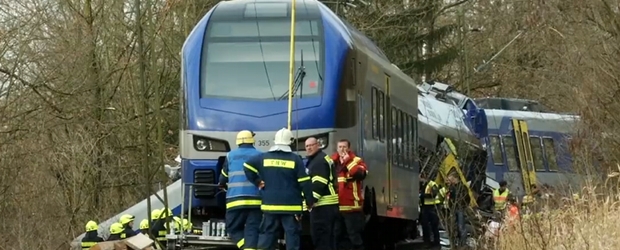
(249,59)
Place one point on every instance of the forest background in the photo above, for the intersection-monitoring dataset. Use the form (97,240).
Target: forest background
(89,92)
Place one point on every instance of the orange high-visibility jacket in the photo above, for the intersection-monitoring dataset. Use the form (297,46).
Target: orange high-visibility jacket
(350,182)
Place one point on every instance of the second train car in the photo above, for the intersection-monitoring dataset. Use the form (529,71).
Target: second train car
(528,145)
(235,77)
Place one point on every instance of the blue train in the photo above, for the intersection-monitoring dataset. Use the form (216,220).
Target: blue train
(235,77)
(528,144)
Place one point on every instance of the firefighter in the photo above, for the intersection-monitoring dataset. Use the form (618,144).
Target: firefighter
(325,211)
(243,214)
(116,229)
(500,196)
(282,177)
(91,238)
(351,171)
(144,227)
(127,221)
(158,228)
(429,217)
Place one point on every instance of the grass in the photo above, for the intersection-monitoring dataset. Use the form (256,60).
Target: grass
(591,222)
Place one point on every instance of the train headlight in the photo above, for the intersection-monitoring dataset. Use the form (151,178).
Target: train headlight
(202,144)
(209,144)
(322,140)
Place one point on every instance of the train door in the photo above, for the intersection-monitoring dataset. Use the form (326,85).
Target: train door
(524,153)
(389,139)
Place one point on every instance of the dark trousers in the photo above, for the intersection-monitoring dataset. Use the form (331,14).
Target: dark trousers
(322,223)
(243,226)
(459,215)
(348,230)
(430,224)
(269,231)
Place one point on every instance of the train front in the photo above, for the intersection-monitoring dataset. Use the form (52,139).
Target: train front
(235,76)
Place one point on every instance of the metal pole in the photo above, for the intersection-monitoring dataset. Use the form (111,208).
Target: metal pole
(291,66)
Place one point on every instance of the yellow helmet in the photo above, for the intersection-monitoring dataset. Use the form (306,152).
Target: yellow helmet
(155,214)
(245,136)
(165,213)
(187,225)
(116,228)
(144,224)
(91,226)
(126,218)
(528,199)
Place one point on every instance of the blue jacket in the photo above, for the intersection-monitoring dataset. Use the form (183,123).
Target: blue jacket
(241,193)
(285,180)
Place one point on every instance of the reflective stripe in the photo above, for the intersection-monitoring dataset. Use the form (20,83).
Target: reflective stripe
(161,235)
(250,167)
(353,163)
(240,243)
(224,173)
(428,190)
(88,245)
(349,208)
(239,203)
(277,163)
(302,179)
(331,199)
(123,236)
(500,199)
(319,179)
(235,173)
(240,184)
(283,208)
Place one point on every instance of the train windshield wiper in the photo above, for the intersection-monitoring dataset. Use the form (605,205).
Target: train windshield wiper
(298,83)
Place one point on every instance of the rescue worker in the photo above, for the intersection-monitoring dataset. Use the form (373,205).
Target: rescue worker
(91,238)
(325,197)
(459,202)
(429,217)
(127,221)
(282,177)
(513,210)
(144,227)
(500,196)
(181,225)
(158,228)
(351,171)
(243,214)
(116,229)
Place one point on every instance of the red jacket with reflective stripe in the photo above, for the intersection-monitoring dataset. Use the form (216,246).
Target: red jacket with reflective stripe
(350,190)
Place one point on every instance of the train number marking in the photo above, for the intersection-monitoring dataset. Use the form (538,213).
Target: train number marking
(263,143)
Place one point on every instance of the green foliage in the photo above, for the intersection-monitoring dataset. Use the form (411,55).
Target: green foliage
(403,31)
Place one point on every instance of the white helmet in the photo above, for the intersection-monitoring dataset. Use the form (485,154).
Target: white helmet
(284,137)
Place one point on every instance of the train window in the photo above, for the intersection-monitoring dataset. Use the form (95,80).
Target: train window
(496,150)
(393,135)
(407,136)
(511,153)
(401,139)
(374,96)
(382,121)
(550,154)
(537,153)
(264,65)
(414,138)
(263,28)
